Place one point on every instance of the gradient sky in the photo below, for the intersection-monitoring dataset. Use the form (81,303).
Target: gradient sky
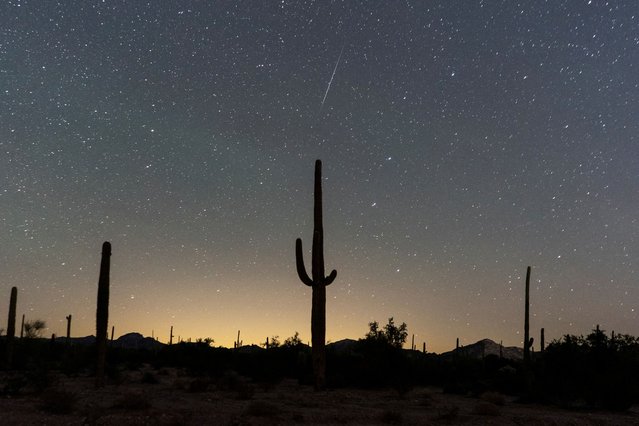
(461,140)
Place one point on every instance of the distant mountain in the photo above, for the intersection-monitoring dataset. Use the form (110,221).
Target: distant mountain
(486,347)
(341,346)
(136,341)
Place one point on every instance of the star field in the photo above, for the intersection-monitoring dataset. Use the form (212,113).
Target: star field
(461,142)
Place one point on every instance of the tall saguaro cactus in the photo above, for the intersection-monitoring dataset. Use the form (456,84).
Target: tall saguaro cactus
(102,313)
(527,339)
(318,283)
(11,325)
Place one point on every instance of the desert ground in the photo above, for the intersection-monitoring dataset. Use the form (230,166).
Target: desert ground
(170,397)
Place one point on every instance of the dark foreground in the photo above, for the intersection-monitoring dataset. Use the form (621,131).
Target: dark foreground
(170,397)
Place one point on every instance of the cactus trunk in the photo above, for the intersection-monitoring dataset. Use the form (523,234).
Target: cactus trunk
(542,343)
(527,340)
(171,336)
(318,282)
(11,325)
(22,327)
(69,326)
(102,313)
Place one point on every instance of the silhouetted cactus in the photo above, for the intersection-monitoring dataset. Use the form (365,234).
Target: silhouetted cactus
(542,343)
(112,332)
(238,342)
(318,283)
(527,338)
(171,336)
(11,325)
(102,313)
(69,326)
(22,327)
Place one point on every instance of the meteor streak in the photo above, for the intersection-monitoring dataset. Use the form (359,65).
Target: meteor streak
(332,76)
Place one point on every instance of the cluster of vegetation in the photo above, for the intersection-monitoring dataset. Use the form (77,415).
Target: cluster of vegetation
(599,370)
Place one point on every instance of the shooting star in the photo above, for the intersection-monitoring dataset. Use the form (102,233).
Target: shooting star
(332,76)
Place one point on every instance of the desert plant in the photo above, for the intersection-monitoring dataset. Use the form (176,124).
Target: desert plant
(294,340)
(69,326)
(273,342)
(11,325)
(171,336)
(391,334)
(318,283)
(102,313)
(22,327)
(33,329)
(527,338)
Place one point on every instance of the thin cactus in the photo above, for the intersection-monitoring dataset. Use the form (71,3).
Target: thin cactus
(542,343)
(457,344)
(112,332)
(238,343)
(171,336)
(102,313)
(68,326)
(424,347)
(318,283)
(22,327)
(11,325)
(527,339)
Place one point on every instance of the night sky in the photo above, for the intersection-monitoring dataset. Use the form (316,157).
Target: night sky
(461,141)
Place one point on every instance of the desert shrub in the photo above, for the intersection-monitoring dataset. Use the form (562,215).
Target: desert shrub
(262,409)
(392,334)
(132,401)
(34,329)
(486,409)
(58,401)
(392,417)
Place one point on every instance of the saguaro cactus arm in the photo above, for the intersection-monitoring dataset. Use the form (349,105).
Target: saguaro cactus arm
(299,262)
(329,280)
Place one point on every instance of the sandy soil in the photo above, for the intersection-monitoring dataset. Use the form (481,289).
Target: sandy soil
(180,400)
